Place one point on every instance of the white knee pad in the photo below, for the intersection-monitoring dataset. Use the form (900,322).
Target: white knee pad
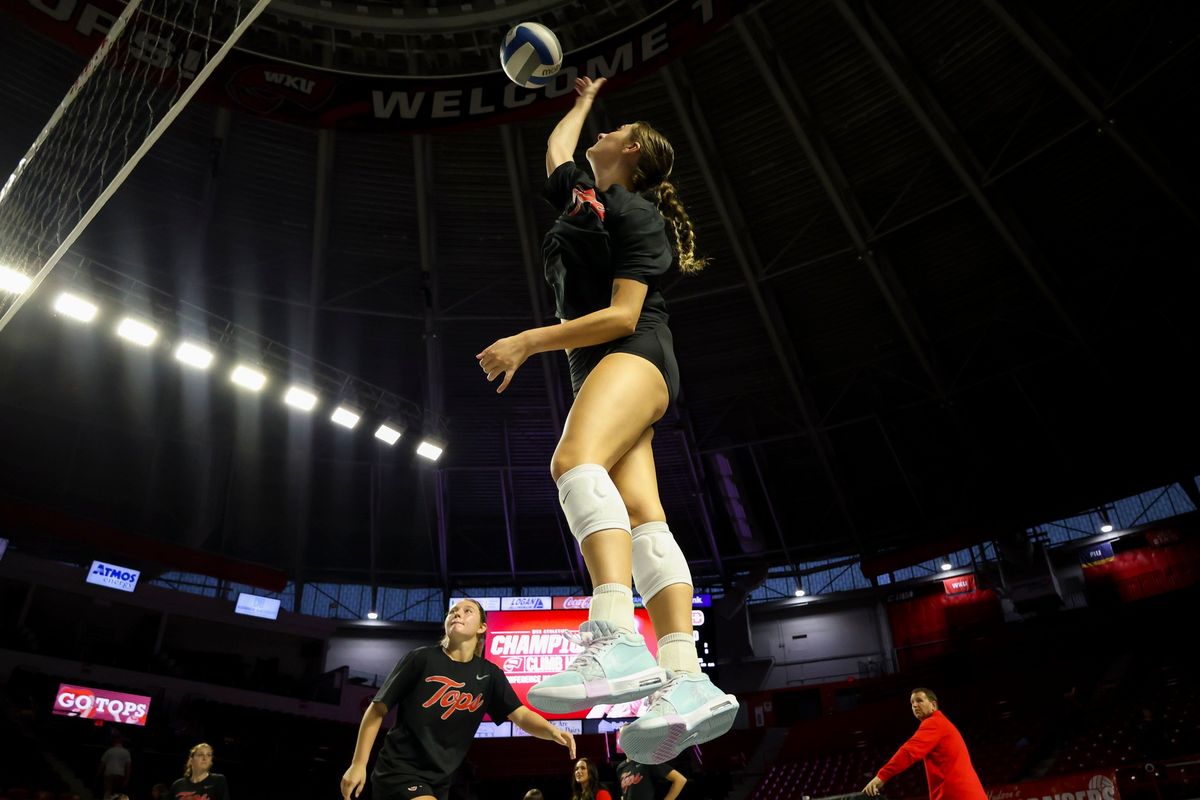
(591,501)
(657,560)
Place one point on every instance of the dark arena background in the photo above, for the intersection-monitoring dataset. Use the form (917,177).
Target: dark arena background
(937,426)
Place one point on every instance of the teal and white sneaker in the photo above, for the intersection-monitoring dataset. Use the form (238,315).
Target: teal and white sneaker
(614,667)
(687,711)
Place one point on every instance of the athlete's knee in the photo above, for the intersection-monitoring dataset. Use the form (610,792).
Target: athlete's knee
(658,562)
(590,500)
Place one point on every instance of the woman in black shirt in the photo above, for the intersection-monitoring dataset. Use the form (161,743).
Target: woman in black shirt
(616,236)
(440,693)
(197,782)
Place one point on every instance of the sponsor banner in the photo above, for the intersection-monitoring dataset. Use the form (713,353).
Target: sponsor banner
(1096,554)
(306,95)
(960,584)
(101,704)
(1091,785)
(488,604)
(572,726)
(525,603)
(113,576)
(698,601)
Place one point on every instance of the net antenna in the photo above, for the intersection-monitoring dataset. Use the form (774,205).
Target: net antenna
(156,55)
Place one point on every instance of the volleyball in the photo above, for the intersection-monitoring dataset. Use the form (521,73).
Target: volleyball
(530,54)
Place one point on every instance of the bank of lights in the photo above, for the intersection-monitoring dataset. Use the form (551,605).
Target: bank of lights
(197,355)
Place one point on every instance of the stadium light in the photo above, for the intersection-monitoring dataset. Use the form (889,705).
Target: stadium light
(137,332)
(346,417)
(248,378)
(298,397)
(388,433)
(194,355)
(75,307)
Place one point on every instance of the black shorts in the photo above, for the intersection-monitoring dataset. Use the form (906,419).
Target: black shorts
(396,787)
(654,344)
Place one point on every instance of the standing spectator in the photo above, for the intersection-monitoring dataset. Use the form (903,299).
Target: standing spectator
(115,766)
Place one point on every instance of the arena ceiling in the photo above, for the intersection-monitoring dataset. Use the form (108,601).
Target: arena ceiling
(953,292)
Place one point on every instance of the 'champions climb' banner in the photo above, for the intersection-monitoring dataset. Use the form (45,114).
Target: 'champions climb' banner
(101,704)
(328,98)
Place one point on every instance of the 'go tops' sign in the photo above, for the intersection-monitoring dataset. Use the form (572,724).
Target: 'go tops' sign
(113,576)
(100,704)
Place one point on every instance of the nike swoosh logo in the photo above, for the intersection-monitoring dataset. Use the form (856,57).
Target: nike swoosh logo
(481,677)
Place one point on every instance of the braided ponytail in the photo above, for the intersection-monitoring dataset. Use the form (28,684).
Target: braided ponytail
(650,178)
(682,231)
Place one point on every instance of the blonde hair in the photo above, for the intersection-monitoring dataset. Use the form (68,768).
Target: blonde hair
(187,767)
(650,179)
(480,638)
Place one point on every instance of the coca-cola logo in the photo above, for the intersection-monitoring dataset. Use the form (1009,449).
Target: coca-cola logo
(577,602)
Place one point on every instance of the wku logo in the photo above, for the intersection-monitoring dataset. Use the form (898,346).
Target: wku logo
(450,698)
(584,197)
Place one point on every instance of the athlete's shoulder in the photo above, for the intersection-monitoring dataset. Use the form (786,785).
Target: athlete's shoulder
(638,213)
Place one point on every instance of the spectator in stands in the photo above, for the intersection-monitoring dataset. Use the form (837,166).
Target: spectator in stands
(442,693)
(585,782)
(947,764)
(640,781)
(115,766)
(160,791)
(534,794)
(197,782)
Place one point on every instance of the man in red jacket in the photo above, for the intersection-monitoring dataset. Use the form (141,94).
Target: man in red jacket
(947,763)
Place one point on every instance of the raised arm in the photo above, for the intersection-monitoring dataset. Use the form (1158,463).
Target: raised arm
(560,147)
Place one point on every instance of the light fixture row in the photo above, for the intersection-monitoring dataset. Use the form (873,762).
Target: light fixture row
(196,355)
